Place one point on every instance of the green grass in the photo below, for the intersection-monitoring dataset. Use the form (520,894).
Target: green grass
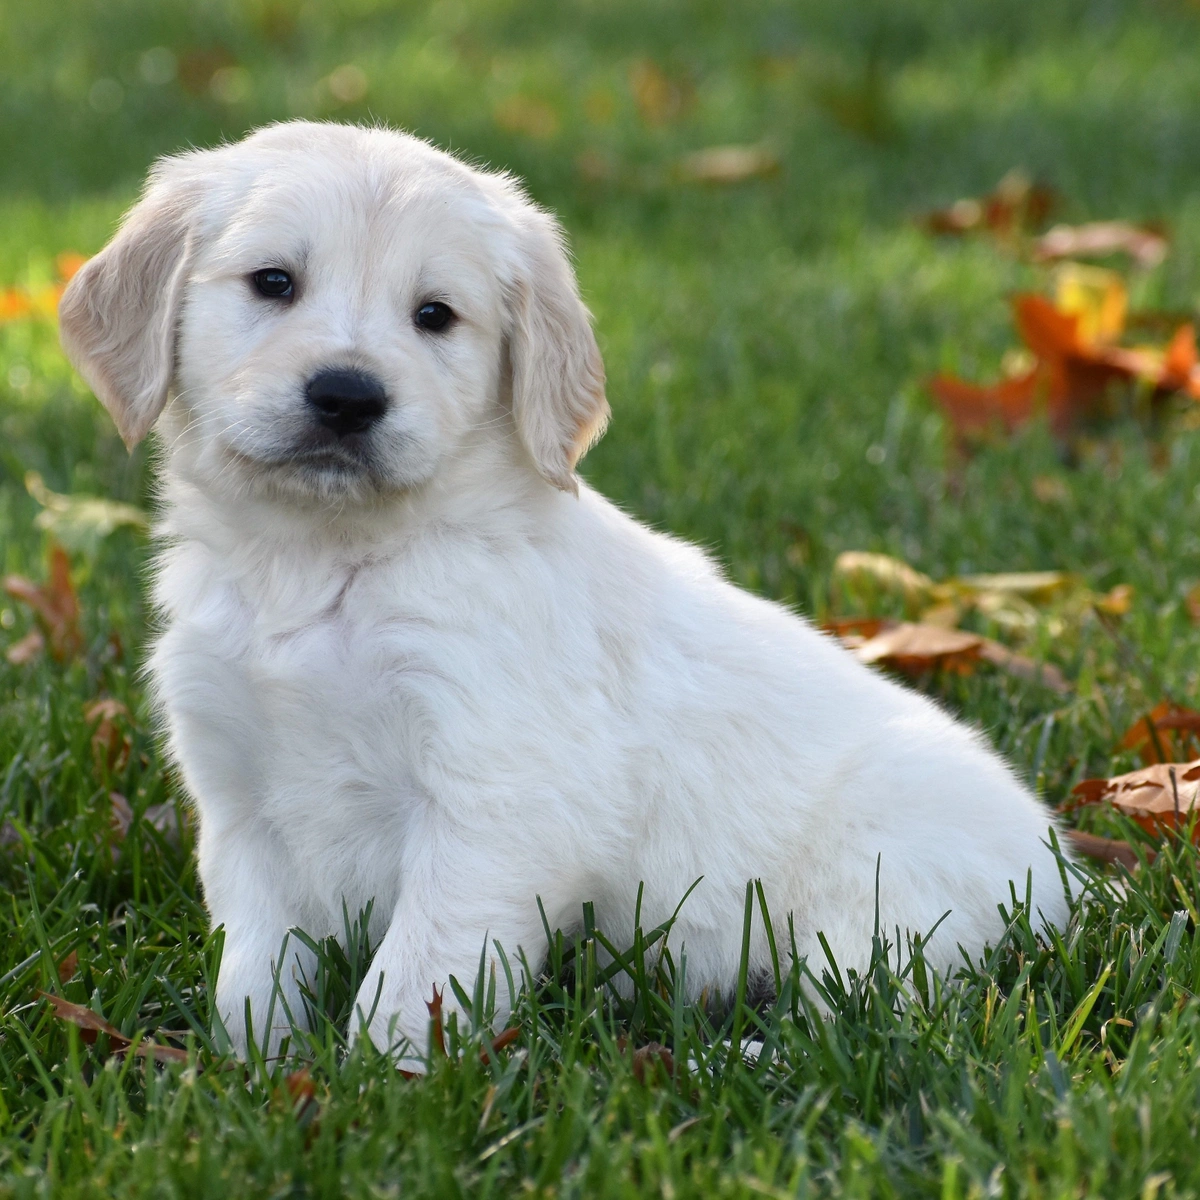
(764,342)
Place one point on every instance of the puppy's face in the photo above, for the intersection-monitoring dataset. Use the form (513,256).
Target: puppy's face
(337,313)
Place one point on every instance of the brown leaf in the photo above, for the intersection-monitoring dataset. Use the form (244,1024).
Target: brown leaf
(67,967)
(1015,205)
(1161,796)
(54,603)
(91,1025)
(1107,850)
(437,1033)
(122,815)
(914,648)
(918,647)
(110,746)
(649,1062)
(1146,245)
(1192,601)
(728,164)
(1167,733)
(659,98)
(501,1041)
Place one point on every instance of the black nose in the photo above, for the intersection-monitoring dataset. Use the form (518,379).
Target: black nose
(346,401)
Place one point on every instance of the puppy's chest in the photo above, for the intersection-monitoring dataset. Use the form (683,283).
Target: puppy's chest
(314,696)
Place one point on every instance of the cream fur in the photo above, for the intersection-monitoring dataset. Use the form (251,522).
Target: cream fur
(447,676)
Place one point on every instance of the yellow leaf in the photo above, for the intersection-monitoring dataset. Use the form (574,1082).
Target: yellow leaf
(1096,296)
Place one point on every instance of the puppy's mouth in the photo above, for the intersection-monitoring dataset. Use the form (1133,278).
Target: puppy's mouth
(318,465)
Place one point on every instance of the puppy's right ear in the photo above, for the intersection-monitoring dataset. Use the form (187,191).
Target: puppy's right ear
(118,316)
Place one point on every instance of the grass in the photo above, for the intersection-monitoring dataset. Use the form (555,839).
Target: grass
(765,346)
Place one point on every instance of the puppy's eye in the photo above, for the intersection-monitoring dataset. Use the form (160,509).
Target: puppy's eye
(274,283)
(433,316)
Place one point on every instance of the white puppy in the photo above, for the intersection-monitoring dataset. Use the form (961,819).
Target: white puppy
(408,656)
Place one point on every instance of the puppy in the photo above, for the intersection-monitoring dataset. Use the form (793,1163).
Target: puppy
(408,656)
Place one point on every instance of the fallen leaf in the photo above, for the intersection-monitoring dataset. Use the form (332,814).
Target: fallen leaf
(110,745)
(1146,245)
(916,648)
(80,522)
(648,1062)
(68,263)
(122,814)
(501,1041)
(1014,206)
(1192,601)
(91,1026)
(1049,490)
(1108,850)
(728,164)
(67,967)
(25,650)
(866,576)
(526,115)
(54,603)
(1168,733)
(437,1033)
(1161,796)
(659,98)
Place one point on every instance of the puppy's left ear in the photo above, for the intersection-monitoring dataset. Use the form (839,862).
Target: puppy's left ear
(118,316)
(559,406)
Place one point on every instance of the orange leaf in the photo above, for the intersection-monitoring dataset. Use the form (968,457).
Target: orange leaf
(1161,796)
(68,263)
(67,967)
(1167,728)
(974,408)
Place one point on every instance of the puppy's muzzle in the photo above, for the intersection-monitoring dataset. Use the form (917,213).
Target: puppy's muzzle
(346,401)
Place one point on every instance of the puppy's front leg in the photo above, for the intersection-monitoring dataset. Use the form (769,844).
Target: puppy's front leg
(246,888)
(436,933)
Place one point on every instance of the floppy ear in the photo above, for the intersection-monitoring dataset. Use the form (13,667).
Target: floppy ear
(559,405)
(117,317)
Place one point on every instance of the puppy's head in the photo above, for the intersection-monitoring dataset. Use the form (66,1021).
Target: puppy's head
(335,312)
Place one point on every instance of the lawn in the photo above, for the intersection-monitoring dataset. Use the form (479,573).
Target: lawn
(767,344)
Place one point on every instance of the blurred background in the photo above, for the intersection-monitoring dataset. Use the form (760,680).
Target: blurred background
(748,189)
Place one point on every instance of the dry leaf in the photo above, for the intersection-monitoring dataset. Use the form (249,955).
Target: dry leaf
(526,115)
(1102,849)
(25,650)
(90,1026)
(1161,796)
(659,99)
(915,648)
(437,1033)
(501,1041)
(1074,343)
(652,1060)
(1146,245)
(122,815)
(79,522)
(1168,733)
(1192,601)
(866,575)
(54,603)
(728,164)
(1017,204)
(67,967)
(110,746)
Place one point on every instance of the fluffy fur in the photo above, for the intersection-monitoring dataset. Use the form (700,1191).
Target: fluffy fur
(429,667)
